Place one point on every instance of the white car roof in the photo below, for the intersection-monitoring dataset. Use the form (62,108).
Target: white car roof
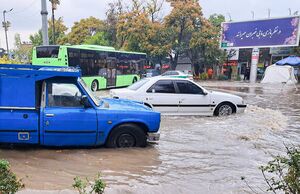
(156,78)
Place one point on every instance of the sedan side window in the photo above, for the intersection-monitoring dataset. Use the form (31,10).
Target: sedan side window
(186,87)
(162,86)
(63,95)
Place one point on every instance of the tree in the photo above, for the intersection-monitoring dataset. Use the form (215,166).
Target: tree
(138,32)
(23,51)
(60,30)
(36,39)
(153,8)
(84,29)
(184,19)
(98,39)
(113,14)
(60,34)
(54,4)
(216,20)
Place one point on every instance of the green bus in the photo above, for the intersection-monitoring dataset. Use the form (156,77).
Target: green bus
(102,67)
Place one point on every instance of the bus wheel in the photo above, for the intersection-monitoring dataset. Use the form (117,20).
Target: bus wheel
(94,86)
(134,80)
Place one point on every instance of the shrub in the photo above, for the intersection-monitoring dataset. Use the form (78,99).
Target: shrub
(283,172)
(203,76)
(9,184)
(82,186)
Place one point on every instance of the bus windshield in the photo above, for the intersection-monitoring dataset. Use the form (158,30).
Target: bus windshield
(47,51)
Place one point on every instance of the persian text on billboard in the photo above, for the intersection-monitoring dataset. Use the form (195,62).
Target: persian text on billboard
(261,33)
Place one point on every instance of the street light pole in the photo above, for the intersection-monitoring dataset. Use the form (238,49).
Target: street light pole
(44,14)
(5,26)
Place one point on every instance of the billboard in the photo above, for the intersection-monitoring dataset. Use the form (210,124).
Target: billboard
(280,32)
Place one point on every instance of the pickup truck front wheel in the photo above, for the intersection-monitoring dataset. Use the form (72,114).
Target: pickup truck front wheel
(126,135)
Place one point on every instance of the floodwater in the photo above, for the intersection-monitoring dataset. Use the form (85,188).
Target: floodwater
(194,155)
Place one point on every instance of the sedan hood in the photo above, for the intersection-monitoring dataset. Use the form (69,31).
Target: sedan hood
(122,104)
(226,96)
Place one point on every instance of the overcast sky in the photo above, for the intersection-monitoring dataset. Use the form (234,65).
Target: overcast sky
(25,17)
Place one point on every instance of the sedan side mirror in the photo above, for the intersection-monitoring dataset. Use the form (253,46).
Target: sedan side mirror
(85,101)
(153,90)
(205,93)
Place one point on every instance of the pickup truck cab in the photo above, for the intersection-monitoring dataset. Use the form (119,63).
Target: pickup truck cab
(51,106)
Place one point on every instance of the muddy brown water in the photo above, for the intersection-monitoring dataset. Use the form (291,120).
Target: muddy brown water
(194,155)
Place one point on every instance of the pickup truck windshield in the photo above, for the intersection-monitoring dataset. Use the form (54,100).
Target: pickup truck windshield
(90,93)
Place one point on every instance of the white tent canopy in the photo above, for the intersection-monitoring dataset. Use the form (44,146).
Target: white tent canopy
(279,74)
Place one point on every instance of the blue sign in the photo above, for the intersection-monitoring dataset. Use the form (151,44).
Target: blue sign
(261,33)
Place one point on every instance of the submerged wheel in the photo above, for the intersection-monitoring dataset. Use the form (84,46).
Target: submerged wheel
(224,109)
(126,135)
(134,80)
(94,85)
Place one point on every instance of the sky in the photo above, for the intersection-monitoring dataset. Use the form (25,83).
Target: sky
(26,19)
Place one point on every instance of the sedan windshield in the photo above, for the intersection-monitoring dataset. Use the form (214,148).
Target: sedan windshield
(138,85)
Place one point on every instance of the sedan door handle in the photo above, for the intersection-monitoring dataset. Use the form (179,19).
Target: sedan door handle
(50,115)
(149,98)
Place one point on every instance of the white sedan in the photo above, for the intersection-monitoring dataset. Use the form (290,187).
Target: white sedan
(178,96)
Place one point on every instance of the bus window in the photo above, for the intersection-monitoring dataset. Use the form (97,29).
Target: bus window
(87,64)
(74,57)
(47,51)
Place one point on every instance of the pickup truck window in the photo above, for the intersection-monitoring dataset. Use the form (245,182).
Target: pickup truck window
(63,95)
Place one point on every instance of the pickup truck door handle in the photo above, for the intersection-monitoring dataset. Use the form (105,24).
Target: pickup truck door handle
(49,115)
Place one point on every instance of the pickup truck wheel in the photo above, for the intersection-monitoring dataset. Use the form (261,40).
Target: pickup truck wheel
(224,109)
(94,85)
(126,135)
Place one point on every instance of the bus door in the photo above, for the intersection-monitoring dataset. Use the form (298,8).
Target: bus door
(111,73)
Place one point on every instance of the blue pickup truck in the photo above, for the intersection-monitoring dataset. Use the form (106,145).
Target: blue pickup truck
(51,106)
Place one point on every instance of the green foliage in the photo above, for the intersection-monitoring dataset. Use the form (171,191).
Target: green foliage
(9,184)
(36,39)
(216,20)
(23,51)
(284,172)
(60,31)
(98,39)
(203,76)
(6,60)
(82,186)
(84,29)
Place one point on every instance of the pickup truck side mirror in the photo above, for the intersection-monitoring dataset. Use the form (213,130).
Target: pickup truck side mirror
(85,101)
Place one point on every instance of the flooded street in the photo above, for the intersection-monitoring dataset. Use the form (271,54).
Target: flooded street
(194,155)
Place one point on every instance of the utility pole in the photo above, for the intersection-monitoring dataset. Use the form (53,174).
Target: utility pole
(44,14)
(54,7)
(269,13)
(6,24)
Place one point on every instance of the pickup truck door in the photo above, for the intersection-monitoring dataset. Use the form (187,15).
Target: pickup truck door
(65,121)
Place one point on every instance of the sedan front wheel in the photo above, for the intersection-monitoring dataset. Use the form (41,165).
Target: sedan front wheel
(224,109)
